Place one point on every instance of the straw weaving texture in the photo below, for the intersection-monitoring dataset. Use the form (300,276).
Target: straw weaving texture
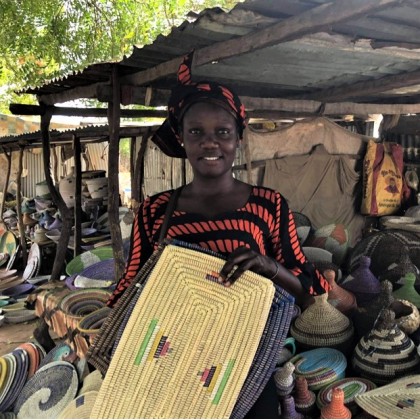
(189,343)
(397,400)
(80,407)
(48,392)
(100,352)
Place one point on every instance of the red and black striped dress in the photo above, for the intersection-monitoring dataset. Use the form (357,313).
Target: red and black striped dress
(264,224)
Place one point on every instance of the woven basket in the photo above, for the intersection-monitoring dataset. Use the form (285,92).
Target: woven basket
(398,400)
(288,408)
(320,366)
(322,325)
(7,375)
(305,399)
(407,291)
(364,318)
(336,409)
(33,355)
(284,379)
(386,353)
(91,382)
(351,386)
(340,298)
(363,283)
(407,316)
(48,392)
(98,275)
(189,330)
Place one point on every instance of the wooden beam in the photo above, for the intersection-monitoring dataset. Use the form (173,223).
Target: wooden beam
(365,88)
(314,20)
(256,105)
(86,92)
(22,109)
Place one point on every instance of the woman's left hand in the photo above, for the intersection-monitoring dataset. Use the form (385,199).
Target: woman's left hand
(243,259)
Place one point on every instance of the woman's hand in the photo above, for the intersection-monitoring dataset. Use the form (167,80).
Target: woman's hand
(243,259)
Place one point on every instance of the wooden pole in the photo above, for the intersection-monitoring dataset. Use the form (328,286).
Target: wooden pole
(65,212)
(8,156)
(78,196)
(22,238)
(113,170)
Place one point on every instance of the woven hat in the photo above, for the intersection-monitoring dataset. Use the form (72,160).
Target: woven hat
(363,283)
(18,290)
(351,386)
(7,274)
(407,316)
(19,316)
(385,353)
(84,260)
(398,400)
(336,409)
(48,392)
(314,254)
(33,355)
(80,407)
(322,325)
(397,270)
(320,366)
(8,244)
(185,321)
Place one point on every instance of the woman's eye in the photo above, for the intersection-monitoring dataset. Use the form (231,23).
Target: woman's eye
(194,131)
(224,131)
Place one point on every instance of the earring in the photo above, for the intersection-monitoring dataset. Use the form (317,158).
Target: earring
(182,144)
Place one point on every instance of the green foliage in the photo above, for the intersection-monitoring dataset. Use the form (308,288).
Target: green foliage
(43,39)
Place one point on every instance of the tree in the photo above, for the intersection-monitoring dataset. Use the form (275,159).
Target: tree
(40,40)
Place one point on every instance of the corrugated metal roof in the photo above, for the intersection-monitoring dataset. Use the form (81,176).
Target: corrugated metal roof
(375,45)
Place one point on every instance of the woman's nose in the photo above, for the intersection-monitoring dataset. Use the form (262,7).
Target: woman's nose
(209,140)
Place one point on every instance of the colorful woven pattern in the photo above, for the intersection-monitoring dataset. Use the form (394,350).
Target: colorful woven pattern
(188,356)
(86,259)
(320,366)
(351,386)
(398,400)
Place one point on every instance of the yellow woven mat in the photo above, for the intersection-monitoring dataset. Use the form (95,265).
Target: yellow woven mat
(189,343)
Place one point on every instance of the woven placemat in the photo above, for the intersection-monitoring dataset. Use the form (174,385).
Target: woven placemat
(80,407)
(7,375)
(397,400)
(48,392)
(193,345)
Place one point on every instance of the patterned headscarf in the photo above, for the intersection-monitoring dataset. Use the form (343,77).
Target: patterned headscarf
(187,93)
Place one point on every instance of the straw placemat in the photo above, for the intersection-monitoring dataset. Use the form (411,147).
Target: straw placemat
(80,407)
(187,357)
(84,260)
(320,366)
(397,400)
(48,392)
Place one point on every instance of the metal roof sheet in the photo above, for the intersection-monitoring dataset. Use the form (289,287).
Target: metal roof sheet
(362,49)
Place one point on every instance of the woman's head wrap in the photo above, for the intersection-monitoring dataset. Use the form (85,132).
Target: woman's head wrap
(187,93)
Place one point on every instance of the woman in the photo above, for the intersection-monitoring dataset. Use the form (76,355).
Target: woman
(251,226)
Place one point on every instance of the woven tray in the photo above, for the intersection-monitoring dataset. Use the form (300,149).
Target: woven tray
(187,357)
(84,260)
(398,400)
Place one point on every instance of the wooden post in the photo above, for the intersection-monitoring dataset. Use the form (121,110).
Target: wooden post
(113,170)
(22,238)
(8,156)
(138,179)
(78,196)
(65,212)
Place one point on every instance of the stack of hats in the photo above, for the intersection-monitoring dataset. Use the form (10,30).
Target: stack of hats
(363,283)
(322,325)
(386,353)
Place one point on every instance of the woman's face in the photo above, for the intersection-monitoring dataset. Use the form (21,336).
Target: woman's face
(210,138)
